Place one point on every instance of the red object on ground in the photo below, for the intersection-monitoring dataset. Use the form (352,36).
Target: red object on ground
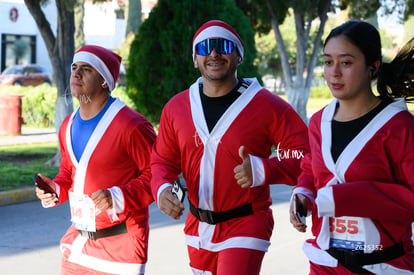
(11,115)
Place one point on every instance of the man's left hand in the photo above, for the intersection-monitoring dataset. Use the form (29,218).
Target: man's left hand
(102,199)
(243,172)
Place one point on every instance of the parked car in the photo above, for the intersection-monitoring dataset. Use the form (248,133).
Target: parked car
(25,75)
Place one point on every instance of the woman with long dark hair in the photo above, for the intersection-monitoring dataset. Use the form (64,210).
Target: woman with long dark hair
(357,181)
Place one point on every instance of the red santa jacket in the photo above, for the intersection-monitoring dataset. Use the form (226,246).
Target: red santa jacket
(371,187)
(116,156)
(258,120)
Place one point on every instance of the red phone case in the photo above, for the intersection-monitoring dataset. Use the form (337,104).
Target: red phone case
(43,185)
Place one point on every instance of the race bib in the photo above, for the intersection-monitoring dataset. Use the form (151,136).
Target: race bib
(353,233)
(82,211)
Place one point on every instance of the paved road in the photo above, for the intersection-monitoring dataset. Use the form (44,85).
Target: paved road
(29,237)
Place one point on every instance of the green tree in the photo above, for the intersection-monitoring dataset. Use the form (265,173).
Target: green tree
(266,15)
(310,19)
(268,56)
(79,17)
(133,18)
(60,48)
(160,59)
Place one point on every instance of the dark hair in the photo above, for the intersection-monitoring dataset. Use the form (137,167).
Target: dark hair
(394,79)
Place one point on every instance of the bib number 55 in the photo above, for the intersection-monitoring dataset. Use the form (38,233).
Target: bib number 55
(343,226)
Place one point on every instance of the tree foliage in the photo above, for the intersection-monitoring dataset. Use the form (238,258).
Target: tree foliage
(160,60)
(360,9)
(79,35)
(310,17)
(268,15)
(133,17)
(268,55)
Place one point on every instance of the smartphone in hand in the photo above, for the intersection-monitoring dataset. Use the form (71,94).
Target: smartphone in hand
(178,191)
(298,210)
(44,186)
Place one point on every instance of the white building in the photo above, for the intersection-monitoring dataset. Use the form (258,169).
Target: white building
(102,25)
(21,42)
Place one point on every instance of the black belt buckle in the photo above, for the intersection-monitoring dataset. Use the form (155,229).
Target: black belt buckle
(91,235)
(206,216)
(88,234)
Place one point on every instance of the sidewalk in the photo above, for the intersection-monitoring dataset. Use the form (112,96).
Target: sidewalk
(29,135)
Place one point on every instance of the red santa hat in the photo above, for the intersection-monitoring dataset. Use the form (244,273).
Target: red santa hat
(218,29)
(106,62)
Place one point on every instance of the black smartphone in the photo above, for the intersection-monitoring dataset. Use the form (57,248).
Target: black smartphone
(297,209)
(178,191)
(44,186)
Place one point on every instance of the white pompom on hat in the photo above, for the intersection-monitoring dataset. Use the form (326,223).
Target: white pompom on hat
(218,29)
(106,62)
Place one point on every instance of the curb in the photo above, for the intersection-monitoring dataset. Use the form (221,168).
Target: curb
(17,195)
(28,135)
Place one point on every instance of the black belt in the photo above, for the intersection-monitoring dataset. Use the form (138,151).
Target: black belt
(117,229)
(354,260)
(212,217)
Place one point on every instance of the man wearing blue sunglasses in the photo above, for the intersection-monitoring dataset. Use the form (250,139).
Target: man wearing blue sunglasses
(219,134)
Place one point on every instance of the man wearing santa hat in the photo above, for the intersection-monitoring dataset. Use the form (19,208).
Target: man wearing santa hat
(104,173)
(219,134)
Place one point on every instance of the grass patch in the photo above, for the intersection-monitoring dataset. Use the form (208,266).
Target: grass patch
(18,164)
(410,106)
(315,104)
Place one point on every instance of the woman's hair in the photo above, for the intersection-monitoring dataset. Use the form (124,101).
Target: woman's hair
(394,79)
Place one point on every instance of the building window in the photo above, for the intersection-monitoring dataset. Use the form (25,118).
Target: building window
(17,49)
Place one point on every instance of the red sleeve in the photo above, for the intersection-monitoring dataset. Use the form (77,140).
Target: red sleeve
(165,157)
(290,139)
(139,142)
(64,177)
(306,179)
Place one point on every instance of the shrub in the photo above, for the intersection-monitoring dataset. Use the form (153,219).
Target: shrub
(320,91)
(39,106)
(38,103)
(120,92)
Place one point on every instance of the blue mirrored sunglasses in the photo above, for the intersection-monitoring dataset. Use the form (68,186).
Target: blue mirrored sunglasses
(222,46)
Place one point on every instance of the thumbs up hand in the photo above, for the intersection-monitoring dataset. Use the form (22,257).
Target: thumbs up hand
(243,172)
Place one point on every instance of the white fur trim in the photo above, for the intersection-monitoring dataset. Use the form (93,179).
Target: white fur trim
(258,172)
(98,64)
(325,203)
(78,257)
